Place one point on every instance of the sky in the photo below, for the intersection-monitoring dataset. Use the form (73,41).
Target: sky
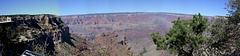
(73,7)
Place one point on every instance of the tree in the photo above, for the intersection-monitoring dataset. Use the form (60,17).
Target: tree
(233,7)
(184,37)
(225,34)
(233,26)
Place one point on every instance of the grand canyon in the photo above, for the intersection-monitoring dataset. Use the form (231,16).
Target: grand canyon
(120,28)
(126,33)
(136,27)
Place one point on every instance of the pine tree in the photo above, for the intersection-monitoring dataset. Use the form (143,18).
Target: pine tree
(183,37)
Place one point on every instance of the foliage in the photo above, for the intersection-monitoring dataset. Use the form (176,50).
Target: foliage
(218,38)
(183,37)
(8,35)
(225,33)
(233,26)
(218,29)
(230,33)
(233,7)
(9,39)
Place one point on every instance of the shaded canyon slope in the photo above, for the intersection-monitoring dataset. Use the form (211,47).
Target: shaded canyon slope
(136,27)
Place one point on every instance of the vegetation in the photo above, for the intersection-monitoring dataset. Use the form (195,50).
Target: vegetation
(186,37)
(183,37)
(229,34)
(225,33)
(9,39)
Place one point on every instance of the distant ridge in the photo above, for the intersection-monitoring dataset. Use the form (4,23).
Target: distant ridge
(131,13)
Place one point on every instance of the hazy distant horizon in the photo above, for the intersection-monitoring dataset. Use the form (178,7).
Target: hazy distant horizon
(76,7)
(103,13)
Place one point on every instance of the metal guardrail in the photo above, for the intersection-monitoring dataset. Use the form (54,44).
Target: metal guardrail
(6,21)
(30,53)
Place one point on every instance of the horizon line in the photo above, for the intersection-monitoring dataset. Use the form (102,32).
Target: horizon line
(98,13)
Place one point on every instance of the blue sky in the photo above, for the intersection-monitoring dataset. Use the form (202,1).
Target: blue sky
(72,7)
(9,7)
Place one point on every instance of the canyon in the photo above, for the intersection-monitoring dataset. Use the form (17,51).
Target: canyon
(136,27)
(93,34)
